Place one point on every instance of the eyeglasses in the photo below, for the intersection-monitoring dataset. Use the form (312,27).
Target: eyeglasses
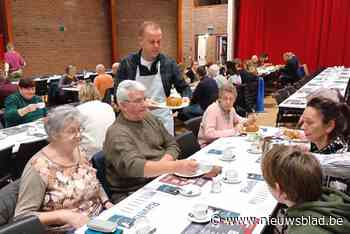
(137,101)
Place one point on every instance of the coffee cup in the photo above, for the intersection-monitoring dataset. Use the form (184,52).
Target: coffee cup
(228,153)
(40,105)
(200,211)
(231,175)
(254,147)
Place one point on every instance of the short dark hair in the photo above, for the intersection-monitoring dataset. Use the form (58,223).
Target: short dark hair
(330,110)
(146,24)
(202,71)
(26,83)
(297,172)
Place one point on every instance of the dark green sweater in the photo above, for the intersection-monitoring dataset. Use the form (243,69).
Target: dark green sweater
(15,102)
(333,204)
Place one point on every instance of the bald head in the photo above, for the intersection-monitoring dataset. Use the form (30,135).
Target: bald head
(115,68)
(100,69)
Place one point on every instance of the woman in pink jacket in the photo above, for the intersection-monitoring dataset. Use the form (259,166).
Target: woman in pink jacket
(220,119)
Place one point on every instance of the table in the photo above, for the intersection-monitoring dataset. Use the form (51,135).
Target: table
(169,213)
(266,70)
(332,78)
(23,133)
(72,89)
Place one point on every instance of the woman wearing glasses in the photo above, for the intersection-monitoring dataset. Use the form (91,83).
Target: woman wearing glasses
(58,184)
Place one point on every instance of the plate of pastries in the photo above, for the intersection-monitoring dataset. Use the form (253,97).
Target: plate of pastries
(173,103)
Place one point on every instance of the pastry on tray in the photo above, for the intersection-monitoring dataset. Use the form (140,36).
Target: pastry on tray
(174,101)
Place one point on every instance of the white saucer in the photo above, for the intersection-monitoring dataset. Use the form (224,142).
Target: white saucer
(228,159)
(254,151)
(190,190)
(197,174)
(236,181)
(205,219)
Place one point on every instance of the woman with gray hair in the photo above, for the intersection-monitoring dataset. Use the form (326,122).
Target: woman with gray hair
(58,184)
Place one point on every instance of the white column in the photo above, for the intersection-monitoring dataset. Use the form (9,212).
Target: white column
(231,22)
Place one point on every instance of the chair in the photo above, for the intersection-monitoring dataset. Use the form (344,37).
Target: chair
(188,144)
(98,162)
(108,96)
(53,93)
(27,225)
(8,200)
(25,152)
(41,88)
(6,163)
(193,125)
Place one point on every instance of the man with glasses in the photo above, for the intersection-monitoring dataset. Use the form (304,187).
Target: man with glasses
(137,146)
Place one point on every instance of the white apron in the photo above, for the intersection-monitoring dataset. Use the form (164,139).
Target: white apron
(155,91)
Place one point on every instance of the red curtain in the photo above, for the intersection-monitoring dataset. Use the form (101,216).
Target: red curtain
(2,47)
(317,31)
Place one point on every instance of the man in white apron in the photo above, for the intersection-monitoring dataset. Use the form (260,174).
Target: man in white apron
(156,71)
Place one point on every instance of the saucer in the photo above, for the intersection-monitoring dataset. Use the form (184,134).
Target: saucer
(233,158)
(190,190)
(205,219)
(196,174)
(236,181)
(251,151)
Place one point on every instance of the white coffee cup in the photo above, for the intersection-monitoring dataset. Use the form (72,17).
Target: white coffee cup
(200,211)
(231,175)
(228,153)
(254,147)
(40,105)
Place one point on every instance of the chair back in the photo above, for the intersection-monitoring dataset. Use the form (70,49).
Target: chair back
(6,165)
(188,144)
(193,125)
(8,200)
(27,225)
(98,162)
(41,87)
(108,96)
(25,152)
(53,93)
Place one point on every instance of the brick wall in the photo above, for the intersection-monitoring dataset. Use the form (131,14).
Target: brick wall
(199,18)
(130,14)
(85,41)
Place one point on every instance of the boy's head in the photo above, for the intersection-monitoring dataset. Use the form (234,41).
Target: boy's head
(294,176)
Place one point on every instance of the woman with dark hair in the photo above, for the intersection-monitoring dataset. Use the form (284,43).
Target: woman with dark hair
(232,73)
(191,71)
(23,106)
(326,125)
(68,80)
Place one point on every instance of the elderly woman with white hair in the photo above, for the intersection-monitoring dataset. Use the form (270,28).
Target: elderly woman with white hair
(214,72)
(58,184)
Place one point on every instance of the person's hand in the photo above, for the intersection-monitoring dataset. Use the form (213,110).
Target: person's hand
(150,104)
(251,119)
(185,99)
(30,108)
(187,167)
(74,219)
(109,205)
(167,157)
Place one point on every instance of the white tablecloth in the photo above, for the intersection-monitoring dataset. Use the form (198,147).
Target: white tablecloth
(169,213)
(332,78)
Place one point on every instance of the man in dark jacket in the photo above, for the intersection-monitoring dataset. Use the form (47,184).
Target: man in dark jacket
(154,70)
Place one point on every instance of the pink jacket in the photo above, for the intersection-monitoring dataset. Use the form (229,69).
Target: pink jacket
(214,124)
